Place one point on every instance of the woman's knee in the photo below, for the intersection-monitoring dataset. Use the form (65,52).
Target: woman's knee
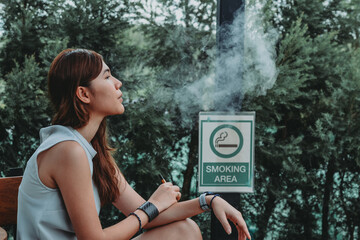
(185,229)
(188,229)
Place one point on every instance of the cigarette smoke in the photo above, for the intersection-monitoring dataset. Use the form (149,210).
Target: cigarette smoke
(241,69)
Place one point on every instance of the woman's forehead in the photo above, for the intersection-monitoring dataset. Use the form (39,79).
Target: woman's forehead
(104,66)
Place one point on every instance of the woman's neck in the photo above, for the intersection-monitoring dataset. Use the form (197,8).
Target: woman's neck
(89,130)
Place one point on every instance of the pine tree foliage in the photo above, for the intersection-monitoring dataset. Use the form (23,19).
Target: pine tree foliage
(24,93)
(24,23)
(92,29)
(304,98)
(279,114)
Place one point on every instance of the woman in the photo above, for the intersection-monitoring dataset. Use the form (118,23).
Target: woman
(72,173)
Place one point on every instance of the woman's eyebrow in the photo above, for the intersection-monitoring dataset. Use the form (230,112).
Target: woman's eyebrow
(106,70)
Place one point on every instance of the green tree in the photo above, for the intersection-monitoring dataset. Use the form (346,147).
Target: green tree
(24,23)
(23,112)
(279,113)
(336,133)
(97,24)
(308,176)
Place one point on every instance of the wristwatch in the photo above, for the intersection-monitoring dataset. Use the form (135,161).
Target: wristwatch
(204,206)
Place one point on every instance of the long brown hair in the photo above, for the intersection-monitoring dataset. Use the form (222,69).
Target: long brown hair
(70,69)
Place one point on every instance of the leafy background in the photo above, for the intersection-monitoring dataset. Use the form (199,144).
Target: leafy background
(307,111)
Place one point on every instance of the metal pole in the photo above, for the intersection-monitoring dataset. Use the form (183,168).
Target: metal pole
(225,16)
(226,10)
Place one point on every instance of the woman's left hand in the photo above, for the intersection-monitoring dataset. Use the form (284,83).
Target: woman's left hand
(224,211)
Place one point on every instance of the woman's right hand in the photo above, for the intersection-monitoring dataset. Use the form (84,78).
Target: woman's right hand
(166,195)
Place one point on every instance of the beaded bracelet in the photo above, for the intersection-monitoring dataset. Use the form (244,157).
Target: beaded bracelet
(216,195)
(134,214)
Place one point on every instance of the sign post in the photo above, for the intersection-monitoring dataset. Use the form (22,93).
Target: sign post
(226,10)
(226,154)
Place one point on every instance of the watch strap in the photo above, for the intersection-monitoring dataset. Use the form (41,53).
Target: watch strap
(204,206)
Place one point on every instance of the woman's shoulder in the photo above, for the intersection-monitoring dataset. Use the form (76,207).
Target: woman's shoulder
(55,132)
(59,140)
(67,151)
(60,160)
(63,158)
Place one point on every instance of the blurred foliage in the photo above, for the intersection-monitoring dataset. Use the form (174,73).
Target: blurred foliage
(307,123)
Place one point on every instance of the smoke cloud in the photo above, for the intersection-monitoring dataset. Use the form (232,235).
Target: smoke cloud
(245,64)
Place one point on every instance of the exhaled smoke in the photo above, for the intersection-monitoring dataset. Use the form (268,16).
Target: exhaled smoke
(245,65)
(260,71)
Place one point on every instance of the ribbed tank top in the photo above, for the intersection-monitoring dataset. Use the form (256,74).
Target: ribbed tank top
(41,210)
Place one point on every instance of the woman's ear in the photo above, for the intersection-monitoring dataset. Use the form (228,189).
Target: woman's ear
(83,94)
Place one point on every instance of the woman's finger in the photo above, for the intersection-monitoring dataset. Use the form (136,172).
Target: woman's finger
(241,234)
(178,196)
(176,188)
(242,228)
(224,222)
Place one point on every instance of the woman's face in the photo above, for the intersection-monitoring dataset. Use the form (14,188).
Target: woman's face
(105,94)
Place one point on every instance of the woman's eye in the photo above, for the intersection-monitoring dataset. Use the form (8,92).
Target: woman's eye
(107,78)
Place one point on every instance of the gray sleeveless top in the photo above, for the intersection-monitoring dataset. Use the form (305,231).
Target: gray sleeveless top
(41,210)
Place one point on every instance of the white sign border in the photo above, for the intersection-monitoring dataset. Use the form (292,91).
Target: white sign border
(237,189)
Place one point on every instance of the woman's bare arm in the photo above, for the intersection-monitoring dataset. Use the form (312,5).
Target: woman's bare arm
(129,200)
(71,172)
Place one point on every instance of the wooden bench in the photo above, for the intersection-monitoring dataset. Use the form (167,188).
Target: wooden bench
(9,187)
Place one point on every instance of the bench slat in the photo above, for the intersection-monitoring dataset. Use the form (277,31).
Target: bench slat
(9,187)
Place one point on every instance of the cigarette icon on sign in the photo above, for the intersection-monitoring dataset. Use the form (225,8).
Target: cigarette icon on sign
(221,138)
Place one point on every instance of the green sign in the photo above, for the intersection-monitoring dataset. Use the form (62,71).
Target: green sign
(226,174)
(226,152)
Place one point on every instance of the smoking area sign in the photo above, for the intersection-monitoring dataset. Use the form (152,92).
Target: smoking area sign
(226,152)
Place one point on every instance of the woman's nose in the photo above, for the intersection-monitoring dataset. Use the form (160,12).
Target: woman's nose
(118,84)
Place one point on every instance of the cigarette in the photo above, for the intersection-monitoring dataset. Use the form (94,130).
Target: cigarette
(162,178)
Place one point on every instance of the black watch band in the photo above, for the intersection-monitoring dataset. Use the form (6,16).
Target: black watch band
(150,210)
